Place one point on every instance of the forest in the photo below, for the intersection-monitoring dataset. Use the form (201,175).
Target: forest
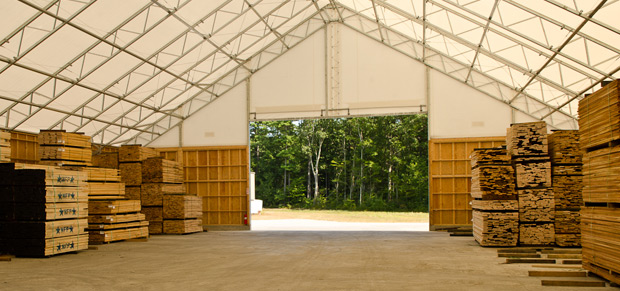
(364,163)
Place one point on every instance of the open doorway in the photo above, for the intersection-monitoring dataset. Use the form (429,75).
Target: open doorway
(338,174)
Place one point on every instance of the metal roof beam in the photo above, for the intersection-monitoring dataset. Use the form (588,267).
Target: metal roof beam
(484,34)
(532,78)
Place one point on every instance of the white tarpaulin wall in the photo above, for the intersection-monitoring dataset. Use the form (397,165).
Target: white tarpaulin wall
(133,71)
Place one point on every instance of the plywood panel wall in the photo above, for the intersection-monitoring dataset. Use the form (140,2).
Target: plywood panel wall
(450,179)
(220,176)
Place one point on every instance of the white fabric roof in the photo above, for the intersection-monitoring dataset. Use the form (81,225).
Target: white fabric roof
(118,69)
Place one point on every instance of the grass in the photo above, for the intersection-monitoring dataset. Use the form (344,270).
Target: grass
(340,215)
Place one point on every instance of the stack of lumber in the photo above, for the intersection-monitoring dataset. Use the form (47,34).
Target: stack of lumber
(599,130)
(59,148)
(5,146)
(129,161)
(527,144)
(43,210)
(566,163)
(182,214)
(106,160)
(104,184)
(116,220)
(495,205)
(160,178)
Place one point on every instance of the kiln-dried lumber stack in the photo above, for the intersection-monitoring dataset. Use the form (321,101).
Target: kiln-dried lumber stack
(58,147)
(495,207)
(43,210)
(106,160)
(566,159)
(599,130)
(5,146)
(182,214)
(527,144)
(161,177)
(116,220)
(129,161)
(104,184)
(599,117)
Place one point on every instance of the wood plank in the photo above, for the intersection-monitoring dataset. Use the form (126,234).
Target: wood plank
(572,283)
(526,139)
(114,206)
(518,255)
(557,273)
(530,261)
(135,153)
(564,256)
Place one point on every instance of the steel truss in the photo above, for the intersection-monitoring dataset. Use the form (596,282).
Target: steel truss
(198,58)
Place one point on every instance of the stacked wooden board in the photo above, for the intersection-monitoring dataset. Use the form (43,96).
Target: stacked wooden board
(599,130)
(43,210)
(116,220)
(495,205)
(5,146)
(182,214)
(527,145)
(121,219)
(566,163)
(167,207)
(59,148)
(130,158)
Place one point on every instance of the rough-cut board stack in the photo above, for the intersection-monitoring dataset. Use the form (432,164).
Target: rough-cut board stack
(60,148)
(182,214)
(43,210)
(495,205)
(599,117)
(567,164)
(527,144)
(106,160)
(160,178)
(129,161)
(5,146)
(116,220)
(599,131)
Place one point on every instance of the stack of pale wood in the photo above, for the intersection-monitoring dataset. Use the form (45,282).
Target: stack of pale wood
(105,184)
(130,158)
(5,146)
(182,214)
(116,220)
(527,144)
(43,210)
(495,205)
(566,159)
(599,130)
(59,148)
(160,178)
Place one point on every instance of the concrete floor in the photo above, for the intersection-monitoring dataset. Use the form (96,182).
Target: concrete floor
(277,260)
